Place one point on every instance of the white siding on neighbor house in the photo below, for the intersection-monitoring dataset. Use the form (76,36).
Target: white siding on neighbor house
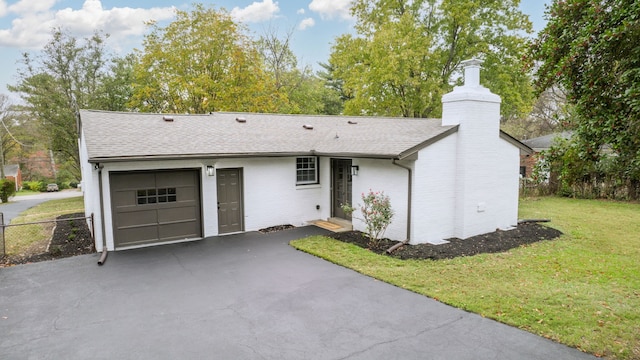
(382,175)
(434,192)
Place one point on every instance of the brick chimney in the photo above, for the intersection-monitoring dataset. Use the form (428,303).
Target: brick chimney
(478,170)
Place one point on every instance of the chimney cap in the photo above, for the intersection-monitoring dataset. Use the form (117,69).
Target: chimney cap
(471,63)
(471,72)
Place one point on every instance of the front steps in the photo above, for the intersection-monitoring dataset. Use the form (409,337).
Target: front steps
(333,224)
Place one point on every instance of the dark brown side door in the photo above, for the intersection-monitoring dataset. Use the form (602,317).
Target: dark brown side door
(230,205)
(341,181)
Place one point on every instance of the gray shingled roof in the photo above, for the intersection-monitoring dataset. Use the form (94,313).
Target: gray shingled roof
(544,142)
(11,170)
(114,136)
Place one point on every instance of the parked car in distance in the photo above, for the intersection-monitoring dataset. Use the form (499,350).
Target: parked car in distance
(52,187)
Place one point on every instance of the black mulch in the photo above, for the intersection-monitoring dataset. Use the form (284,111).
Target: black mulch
(498,241)
(69,238)
(73,237)
(276,228)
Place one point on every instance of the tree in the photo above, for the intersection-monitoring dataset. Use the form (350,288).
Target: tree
(592,49)
(56,83)
(405,54)
(549,111)
(301,91)
(116,89)
(201,62)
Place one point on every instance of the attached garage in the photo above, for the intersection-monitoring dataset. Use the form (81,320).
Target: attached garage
(151,207)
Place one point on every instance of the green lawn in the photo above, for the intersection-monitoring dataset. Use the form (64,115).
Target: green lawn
(582,290)
(23,240)
(26,192)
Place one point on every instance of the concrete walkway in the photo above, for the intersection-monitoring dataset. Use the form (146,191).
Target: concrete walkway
(246,296)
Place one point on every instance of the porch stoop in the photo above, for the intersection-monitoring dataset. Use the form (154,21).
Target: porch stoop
(333,224)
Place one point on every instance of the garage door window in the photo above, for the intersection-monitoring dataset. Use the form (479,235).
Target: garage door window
(154,196)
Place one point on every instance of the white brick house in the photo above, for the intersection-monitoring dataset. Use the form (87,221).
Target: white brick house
(153,178)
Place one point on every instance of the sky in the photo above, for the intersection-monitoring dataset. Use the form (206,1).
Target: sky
(25,25)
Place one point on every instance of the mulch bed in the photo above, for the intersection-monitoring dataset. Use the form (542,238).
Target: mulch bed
(276,228)
(73,237)
(69,238)
(498,241)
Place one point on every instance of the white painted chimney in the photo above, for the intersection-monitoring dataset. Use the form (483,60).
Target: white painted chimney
(481,175)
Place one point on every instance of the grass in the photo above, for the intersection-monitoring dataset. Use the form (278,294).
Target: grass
(26,239)
(26,192)
(582,290)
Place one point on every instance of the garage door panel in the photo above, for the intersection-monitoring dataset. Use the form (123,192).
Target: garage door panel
(177,214)
(177,179)
(141,218)
(177,231)
(124,198)
(155,206)
(136,181)
(141,234)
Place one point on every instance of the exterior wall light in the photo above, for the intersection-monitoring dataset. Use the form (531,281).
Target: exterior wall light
(210,170)
(354,170)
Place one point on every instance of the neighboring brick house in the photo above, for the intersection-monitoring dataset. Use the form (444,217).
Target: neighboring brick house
(155,179)
(13,173)
(538,144)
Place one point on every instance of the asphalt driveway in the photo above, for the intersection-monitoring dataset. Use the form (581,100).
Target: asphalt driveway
(247,296)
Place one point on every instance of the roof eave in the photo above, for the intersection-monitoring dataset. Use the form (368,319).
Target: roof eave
(411,151)
(113,159)
(519,144)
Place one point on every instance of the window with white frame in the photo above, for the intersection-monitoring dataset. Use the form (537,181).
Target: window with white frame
(306,170)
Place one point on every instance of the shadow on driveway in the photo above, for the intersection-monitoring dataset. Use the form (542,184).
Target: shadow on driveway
(245,296)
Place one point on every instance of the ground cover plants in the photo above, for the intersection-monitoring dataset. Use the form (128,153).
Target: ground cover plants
(581,289)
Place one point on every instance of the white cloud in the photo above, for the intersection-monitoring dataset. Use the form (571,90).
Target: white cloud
(3,8)
(256,12)
(329,9)
(33,23)
(306,23)
(29,6)
(300,11)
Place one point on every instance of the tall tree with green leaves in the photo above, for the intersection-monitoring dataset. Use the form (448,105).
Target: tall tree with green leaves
(302,92)
(405,54)
(203,61)
(55,83)
(116,88)
(592,49)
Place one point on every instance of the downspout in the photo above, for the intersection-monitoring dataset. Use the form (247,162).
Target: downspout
(103,257)
(409,193)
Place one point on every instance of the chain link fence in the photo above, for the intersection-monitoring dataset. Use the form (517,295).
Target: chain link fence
(63,236)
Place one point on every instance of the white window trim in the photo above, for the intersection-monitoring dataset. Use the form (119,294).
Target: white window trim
(316,181)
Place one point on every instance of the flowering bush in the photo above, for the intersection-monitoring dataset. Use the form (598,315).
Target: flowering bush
(376,213)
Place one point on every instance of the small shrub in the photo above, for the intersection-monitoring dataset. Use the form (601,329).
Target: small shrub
(7,189)
(376,213)
(55,250)
(31,185)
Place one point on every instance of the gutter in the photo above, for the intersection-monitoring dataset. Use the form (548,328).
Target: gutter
(409,195)
(103,257)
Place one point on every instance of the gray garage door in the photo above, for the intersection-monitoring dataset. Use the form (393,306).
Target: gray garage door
(155,206)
